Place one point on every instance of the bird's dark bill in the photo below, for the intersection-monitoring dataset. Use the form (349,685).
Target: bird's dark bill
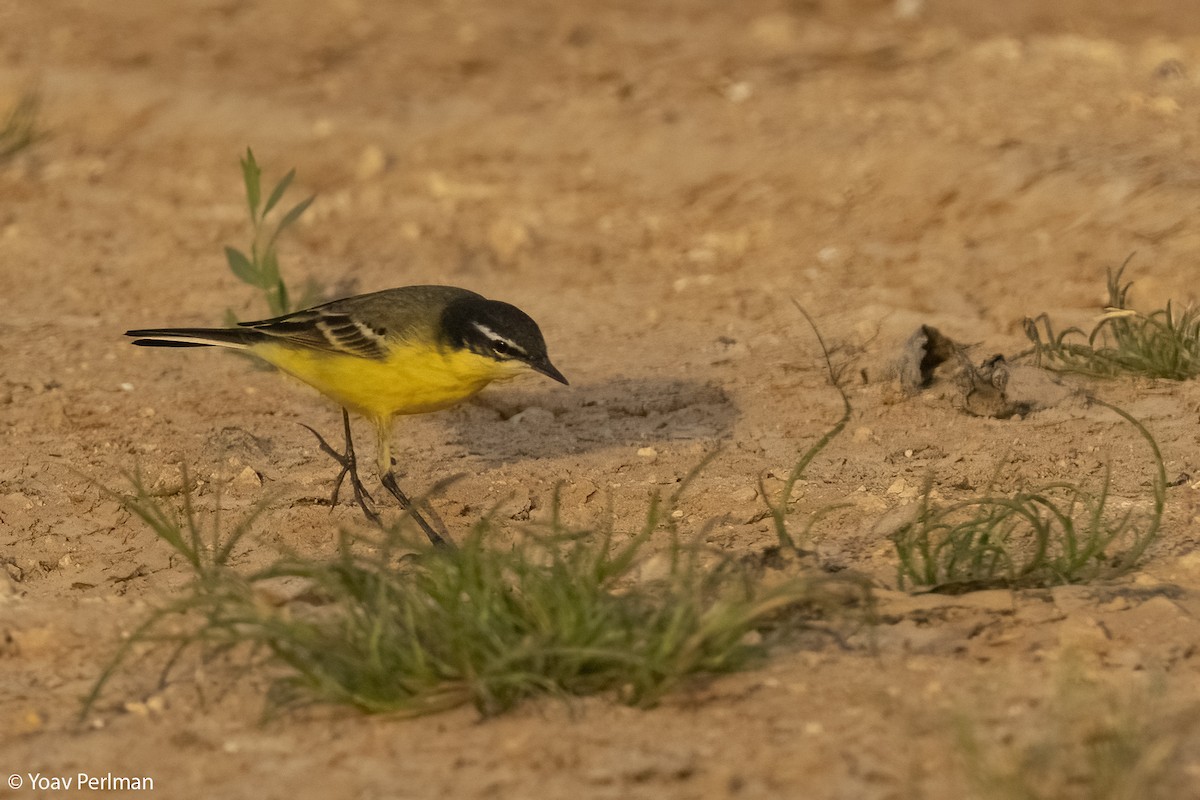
(549,370)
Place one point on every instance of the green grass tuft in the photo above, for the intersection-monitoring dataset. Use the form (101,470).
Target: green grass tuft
(1162,344)
(392,625)
(1057,534)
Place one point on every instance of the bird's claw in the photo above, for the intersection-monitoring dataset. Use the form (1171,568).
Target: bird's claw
(349,465)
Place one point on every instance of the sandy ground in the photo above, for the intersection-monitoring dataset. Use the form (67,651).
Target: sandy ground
(655,183)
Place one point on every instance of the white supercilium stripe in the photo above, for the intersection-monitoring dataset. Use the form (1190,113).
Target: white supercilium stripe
(495,337)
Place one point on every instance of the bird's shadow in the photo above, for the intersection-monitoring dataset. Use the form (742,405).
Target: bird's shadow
(512,424)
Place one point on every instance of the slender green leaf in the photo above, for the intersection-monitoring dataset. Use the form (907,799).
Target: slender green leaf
(290,217)
(241,266)
(277,192)
(252,176)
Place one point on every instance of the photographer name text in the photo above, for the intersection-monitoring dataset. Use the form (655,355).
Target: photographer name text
(81,781)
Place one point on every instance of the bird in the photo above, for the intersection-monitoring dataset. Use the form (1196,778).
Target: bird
(408,350)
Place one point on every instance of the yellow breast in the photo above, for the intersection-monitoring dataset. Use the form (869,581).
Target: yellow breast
(413,380)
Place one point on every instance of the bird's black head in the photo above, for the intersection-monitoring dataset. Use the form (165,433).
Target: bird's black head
(499,331)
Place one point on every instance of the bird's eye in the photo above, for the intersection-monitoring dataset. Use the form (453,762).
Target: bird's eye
(501,348)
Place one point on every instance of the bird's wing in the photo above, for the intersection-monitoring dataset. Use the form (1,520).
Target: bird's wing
(365,325)
(320,329)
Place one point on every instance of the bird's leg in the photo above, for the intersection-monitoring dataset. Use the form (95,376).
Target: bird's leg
(349,466)
(388,478)
(436,539)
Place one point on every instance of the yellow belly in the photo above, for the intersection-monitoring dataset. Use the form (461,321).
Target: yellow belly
(413,380)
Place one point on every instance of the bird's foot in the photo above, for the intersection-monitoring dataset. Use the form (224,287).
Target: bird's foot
(435,538)
(349,465)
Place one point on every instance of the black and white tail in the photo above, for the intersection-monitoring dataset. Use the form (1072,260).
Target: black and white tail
(238,339)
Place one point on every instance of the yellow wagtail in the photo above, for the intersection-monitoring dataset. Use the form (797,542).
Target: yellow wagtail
(401,351)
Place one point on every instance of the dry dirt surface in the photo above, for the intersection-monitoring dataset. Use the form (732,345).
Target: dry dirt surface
(654,182)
